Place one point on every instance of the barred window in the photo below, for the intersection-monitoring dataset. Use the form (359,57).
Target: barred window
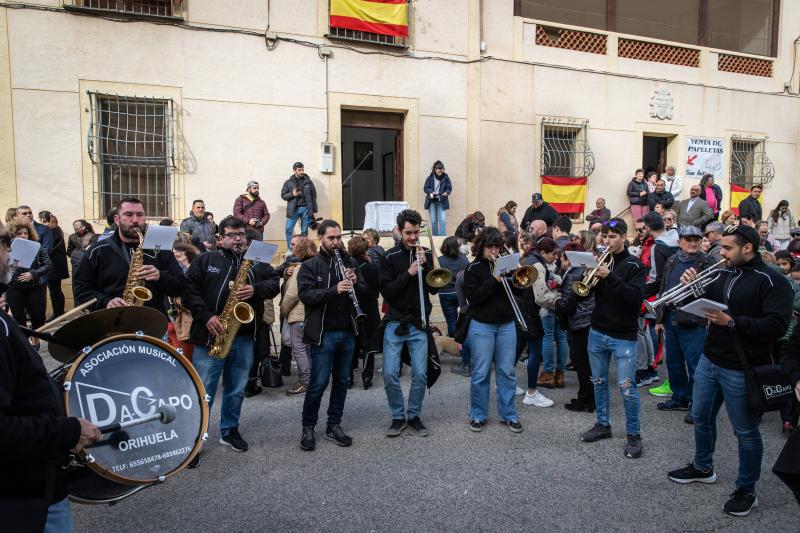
(565,148)
(131,146)
(149,8)
(749,162)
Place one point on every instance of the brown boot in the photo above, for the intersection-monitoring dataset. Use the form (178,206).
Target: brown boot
(546,380)
(558,379)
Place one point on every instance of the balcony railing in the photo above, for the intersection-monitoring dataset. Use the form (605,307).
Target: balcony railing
(160,9)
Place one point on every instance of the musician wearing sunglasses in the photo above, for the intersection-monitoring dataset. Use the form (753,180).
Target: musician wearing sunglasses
(104,268)
(35,436)
(492,335)
(614,327)
(759,307)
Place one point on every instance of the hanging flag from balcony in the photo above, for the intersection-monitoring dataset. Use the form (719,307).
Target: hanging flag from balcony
(566,195)
(385,17)
(738,194)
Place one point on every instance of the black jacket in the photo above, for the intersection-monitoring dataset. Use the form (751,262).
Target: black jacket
(104,270)
(526,301)
(444,187)
(790,360)
(35,436)
(369,303)
(750,208)
(316,288)
(58,256)
(618,298)
(665,198)
(576,312)
(759,299)
(488,301)
(40,268)
(545,212)
(466,230)
(400,290)
(681,318)
(634,188)
(207,291)
(309,194)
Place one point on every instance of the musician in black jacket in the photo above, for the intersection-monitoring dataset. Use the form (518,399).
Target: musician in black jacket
(35,436)
(399,283)
(330,328)
(104,268)
(492,335)
(358,248)
(614,325)
(207,291)
(759,308)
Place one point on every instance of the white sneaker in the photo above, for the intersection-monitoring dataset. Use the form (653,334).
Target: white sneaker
(538,399)
(519,392)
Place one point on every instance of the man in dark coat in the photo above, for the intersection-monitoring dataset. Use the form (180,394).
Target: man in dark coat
(750,207)
(301,201)
(539,210)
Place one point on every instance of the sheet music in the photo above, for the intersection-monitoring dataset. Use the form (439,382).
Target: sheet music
(23,252)
(159,238)
(261,252)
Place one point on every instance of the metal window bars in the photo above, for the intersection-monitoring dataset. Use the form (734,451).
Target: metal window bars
(131,144)
(565,148)
(345,34)
(750,164)
(150,8)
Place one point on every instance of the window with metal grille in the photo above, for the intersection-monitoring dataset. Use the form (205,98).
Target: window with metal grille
(147,8)
(566,154)
(363,36)
(749,162)
(131,146)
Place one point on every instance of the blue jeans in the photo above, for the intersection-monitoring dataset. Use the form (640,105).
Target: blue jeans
(712,386)
(291,222)
(684,347)
(437,213)
(234,369)
(59,518)
(493,343)
(334,356)
(418,349)
(601,349)
(534,360)
(449,304)
(554,334)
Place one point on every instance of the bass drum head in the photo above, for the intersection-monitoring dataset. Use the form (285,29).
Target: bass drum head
(85,486)
(126,378)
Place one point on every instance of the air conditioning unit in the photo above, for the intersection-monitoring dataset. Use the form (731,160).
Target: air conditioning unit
(326,159)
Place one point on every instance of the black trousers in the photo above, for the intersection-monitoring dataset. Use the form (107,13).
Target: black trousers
(56,297)
(28,301)
(580,359)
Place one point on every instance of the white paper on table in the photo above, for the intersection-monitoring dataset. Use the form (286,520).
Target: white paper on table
(261,252)
(506,263)
(159,238)
(23,252)
(579,259)
(699,307)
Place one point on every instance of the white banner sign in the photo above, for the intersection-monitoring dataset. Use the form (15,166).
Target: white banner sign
(704,156)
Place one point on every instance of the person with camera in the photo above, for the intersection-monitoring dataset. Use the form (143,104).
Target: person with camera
(251,209)
(437,189)
(301,201)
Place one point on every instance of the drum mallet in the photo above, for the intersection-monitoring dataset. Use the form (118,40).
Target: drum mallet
(165,413)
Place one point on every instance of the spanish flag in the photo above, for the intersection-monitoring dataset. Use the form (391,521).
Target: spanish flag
(738,194)
(386,17)
(566,195)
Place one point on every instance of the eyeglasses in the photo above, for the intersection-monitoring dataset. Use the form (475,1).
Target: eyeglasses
(235,235)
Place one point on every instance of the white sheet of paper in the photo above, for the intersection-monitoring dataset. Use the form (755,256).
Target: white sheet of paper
(699,307)
(506,263)
(261,252)
(579,259)
(160,237)
(24,252)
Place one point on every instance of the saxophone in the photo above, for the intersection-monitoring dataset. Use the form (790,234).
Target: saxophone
(234,314)
(135,292)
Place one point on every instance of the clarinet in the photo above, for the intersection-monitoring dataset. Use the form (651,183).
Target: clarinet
(352,292)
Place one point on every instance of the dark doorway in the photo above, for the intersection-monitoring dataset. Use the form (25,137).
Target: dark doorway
(654,154)
(380,176)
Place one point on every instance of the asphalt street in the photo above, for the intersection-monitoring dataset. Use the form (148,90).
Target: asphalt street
(455,480)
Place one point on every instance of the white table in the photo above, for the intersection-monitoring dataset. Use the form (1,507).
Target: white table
(382,216)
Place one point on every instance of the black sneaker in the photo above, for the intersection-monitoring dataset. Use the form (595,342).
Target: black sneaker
(597,432)
(308,441)
(513,425)
(672,405)
(235,441)
(337,435)
(417,425)
(462,370)
(397,427)
(691,474)
(652,373)
(643,378)
(252,389)
(689,419)
(633,448)
(740,503)
(195,462)
(476,425)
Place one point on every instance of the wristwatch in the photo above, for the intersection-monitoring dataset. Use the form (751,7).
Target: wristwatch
(731,323)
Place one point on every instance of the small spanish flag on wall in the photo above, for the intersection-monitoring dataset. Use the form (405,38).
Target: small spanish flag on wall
(738,194)
(386,17)
(566,195)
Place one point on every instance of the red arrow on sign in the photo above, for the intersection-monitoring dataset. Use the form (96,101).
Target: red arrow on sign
(691,159)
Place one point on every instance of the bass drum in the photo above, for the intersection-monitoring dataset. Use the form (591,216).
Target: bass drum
(125,378)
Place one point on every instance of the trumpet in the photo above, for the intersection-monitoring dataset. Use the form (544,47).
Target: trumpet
(696,288)
(438,277)
(583,287)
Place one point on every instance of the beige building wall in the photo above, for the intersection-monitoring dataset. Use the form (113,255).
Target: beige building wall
(246,112)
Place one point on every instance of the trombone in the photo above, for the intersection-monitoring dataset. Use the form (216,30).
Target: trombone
(696,288)
(522,277)
(583,287)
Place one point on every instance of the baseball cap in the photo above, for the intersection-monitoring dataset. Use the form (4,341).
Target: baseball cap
(716,227)
(750,234)
(536,197)
(690,231)
(252,183)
